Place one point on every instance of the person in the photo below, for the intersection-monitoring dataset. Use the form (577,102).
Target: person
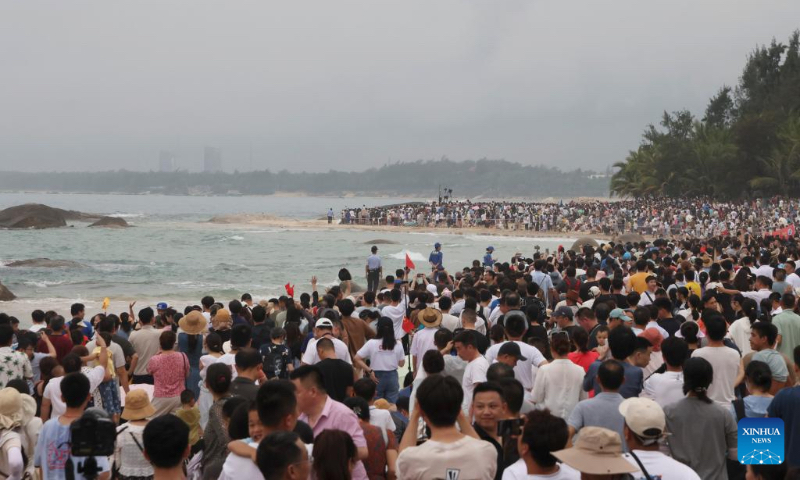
(373,270)
(59,338)
(488,260)
(697,412)
(667,387)
(190,342)
(645,425)
(423,339)
(335,456)
(723,359)
(276,356)
(558,384)
(147,343)
(582,355)
(597,454)
(283,456)
(784,406)
(381,442)
(248,371)
(739,331)
(15,364)
(323,413)
(215,448)
(357,330)
(245,430)
(337,375)
(190,415)
(665,319)
(763,336)
(78,312)
(53,404)
(542,434)
(213,345)
(27,345)
(788,325)
(622,345)
(488,408)
(166,446)
(516,325)
(454,449)
(385,355)
(365,388)
(603,409)
(324,329)
(169,370)
(436,257)
(53,449)
(758,380)
(12,447)
(129,460)
(475,372)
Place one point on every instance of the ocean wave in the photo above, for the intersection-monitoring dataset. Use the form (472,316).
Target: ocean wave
(415,256)
(232,237)
(42,284)
(127,215)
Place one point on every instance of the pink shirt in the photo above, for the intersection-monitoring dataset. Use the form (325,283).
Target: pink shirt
(169,372)
(336,416)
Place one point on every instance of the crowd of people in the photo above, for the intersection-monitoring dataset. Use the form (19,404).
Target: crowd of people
(623,361)
(697,217)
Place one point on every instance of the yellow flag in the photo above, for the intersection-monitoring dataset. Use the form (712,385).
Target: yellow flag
(106,301)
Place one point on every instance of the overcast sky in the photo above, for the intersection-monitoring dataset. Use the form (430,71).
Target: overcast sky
(350,85)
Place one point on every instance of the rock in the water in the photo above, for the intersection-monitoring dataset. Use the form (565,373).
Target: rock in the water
(581,242)
(381,241)
(5,294)
(45,263)
(32,216)
(111,222)
(629,238)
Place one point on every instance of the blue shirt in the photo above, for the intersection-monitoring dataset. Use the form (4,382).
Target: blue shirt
(488,261)
(373,262)
(53,450)
(785,406)
(436,257)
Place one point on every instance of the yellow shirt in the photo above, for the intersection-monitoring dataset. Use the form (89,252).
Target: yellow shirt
(110,366)
(191,417)
(639,282)
(694,288)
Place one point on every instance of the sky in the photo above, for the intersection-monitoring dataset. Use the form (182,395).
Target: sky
(351,85)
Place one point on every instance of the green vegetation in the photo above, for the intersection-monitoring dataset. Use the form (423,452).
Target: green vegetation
(748,142)
(494,178)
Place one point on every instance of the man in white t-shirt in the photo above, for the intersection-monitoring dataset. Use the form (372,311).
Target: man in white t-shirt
(324,328)
(453,450)
(791,275)
(449,322)
(666,388)
(515,327)
(467,348)
(645,425)
(723,359)
(53,405)
(422,341)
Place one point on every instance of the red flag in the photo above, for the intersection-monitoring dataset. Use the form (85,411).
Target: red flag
(409,264)
(289,290)
(408,325)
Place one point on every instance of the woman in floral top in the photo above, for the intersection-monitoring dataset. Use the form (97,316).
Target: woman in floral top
(169,370)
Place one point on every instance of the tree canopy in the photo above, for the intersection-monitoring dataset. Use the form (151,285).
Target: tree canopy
(747,142)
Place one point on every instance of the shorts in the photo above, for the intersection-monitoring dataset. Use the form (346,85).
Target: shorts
(109,392)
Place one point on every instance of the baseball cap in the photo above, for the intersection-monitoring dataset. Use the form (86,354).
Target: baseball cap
(644,417)
(511,348)
(619,313)
(563,312)
(323,323)
(437,245)
(162,306)
(490,248)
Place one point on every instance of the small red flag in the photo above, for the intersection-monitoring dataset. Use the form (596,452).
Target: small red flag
(409,264)
(408,325)
(289,290)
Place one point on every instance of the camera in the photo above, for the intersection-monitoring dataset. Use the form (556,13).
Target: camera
(509,428)
(93,435)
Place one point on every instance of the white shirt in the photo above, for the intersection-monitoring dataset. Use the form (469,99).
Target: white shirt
(396,313)
(449,322)
(494,316)
(474,373)
(240,467)
(559,387)
(764,270)
(658,327)
(117,354)
(758,295)
(311,357)
(647,298)
(522,371)
(36,327)
(664,388)
(739,332)
(421,343)
(794,280)
(519,471)
(725,362)
(53,390)
(660,466)
(380,359)
(381,418)
(457,308)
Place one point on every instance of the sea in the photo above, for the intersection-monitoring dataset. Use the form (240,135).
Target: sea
(172,254)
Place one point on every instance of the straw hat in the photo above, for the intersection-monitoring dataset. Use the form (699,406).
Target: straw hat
(222,319)
(137,406)
(430,317)
(598,451)
(193,323)
(10,408)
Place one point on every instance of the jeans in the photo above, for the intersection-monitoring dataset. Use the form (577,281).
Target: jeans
(388,385)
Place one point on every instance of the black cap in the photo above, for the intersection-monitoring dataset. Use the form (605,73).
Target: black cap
(511,348)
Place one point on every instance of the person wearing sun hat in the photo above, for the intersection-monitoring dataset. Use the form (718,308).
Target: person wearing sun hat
(190,341)
(11,442)
(422,341)
(598,452)
(645,425)
(128,455)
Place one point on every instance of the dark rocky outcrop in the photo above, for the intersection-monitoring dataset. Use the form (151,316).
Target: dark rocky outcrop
(581,242)
(36,216)
(381,241)
(45,263)
(629,238)
(5,294)
(110,222)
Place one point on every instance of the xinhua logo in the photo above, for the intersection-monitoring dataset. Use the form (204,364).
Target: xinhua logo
(760,441)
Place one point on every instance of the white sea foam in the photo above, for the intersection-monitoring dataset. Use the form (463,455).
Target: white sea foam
(415,256)
(41,284)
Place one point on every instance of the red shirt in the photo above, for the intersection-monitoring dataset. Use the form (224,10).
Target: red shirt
(583,359)
(62,343)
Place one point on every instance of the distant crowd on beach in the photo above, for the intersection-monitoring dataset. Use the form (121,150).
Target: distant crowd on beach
(665,217)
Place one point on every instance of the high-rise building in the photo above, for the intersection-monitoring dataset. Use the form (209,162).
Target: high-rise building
(166,161)
(212,160)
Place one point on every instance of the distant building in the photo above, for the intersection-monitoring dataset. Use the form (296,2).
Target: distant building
(212,160)
(166,161)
